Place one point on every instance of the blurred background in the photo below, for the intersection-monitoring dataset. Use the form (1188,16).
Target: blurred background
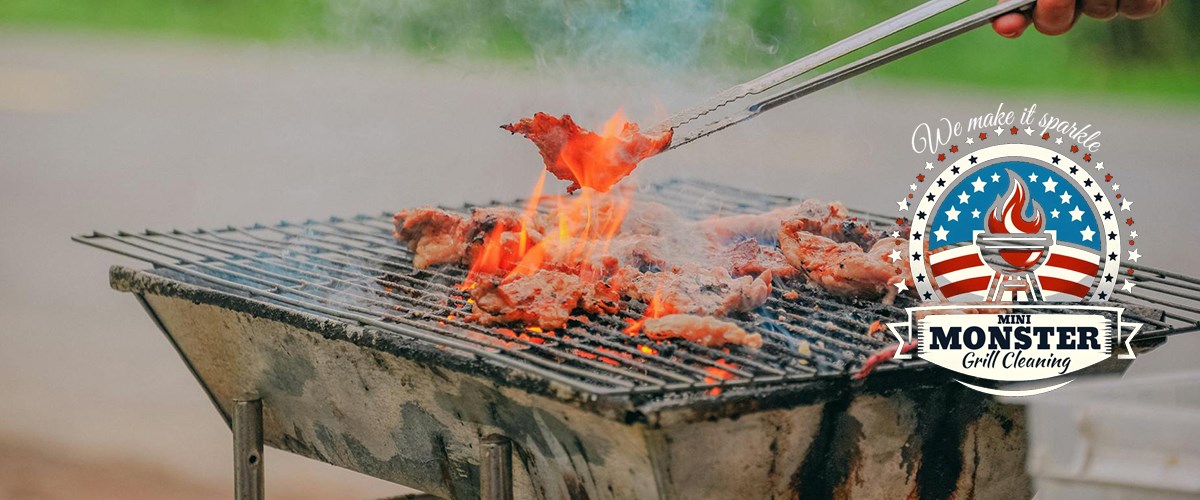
(131,114)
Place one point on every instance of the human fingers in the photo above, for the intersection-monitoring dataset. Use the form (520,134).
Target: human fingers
(1100,9)
(1054,17)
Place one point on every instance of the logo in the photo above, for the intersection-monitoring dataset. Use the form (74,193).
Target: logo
(1017,234)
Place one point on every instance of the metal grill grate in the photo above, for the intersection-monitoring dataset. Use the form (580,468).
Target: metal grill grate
(350,269)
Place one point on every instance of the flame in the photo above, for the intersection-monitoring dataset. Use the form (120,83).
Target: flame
(656,309)
(579,229)
(595,160)
(1011,215)
(718,373)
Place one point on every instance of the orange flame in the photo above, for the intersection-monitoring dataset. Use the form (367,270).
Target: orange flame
(579,229)
(657,308)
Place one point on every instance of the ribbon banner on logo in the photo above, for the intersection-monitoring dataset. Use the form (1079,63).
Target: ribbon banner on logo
(1015,343)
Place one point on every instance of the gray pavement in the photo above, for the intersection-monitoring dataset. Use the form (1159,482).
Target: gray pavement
(112,133)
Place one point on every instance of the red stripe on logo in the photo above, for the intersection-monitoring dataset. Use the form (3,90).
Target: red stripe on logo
(1077,265)
(965,286)
(1063,286)
(957,264)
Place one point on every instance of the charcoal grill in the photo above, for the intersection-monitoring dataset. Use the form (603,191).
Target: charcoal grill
(362,361)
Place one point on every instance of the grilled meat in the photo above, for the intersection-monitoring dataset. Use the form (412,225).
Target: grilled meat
(545,299)
(844,269)
(705,330)
(882,356)
(439,237)
(749,258)
(693,290)
(830,220)
(585,158)
(434,236)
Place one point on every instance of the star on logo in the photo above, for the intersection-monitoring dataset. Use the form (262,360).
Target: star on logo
(995,177)
(1054,213)
(1134,255)
(978,184)
(970,141)
(1128,286)
(903,205)
(1066,198)
(1125,204)
(901,286)
(963,197)
(975,214)
(1133,234)
(998,132)
(1032,177)
(895,234)
(1076,214)
(912,187)
(1050,185)
(928,165)
(895,255)
(1100,166)
(1028,131)
(1116,187)
(1087,233)
(952,214)
(1058,140)
(941,233)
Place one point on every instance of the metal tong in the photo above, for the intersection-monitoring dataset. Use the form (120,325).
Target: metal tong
(787,73)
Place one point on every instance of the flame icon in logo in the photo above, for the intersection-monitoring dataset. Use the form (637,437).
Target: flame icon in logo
(1010,215)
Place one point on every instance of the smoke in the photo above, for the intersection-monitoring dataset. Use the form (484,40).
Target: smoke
(658,33)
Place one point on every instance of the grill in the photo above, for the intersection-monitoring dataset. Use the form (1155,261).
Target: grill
(346,279)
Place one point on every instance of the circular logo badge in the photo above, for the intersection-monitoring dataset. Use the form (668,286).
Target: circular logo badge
(1016,222)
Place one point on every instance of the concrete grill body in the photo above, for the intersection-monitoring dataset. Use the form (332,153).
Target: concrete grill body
(388,384)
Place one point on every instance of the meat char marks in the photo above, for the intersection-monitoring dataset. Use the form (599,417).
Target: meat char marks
(438,237)
(434,236)
(545,299)
(845,269)
(704,330)
(693,290)
(830,220)
(585,158)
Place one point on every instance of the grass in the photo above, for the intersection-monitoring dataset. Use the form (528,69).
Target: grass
(1151,59)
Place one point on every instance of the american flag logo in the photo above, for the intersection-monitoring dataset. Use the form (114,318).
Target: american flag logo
(961,274)
(1014,231)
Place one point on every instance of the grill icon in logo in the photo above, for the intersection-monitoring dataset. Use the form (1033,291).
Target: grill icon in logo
(1016,238)
(1017,228)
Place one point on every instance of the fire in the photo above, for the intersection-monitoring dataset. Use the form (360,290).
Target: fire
(588,159)
(1010,215)
(718,373)
(565,233)
(657,308)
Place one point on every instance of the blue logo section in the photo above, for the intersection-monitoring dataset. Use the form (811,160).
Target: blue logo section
(965,208)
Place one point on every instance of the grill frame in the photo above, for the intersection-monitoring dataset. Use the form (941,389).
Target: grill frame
(765,383)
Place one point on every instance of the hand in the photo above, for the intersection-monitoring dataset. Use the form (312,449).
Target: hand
(1055,17)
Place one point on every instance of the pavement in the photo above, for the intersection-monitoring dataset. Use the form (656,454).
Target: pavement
(114,133)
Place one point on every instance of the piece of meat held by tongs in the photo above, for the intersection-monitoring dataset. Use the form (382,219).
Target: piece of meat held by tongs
(599,160)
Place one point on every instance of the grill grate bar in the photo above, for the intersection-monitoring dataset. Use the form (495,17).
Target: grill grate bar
(350,269)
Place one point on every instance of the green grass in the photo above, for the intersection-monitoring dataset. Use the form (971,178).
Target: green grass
(267,20)
(1150,59)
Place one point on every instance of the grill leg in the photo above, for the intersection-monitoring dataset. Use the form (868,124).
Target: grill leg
(495,477)
(247,449)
